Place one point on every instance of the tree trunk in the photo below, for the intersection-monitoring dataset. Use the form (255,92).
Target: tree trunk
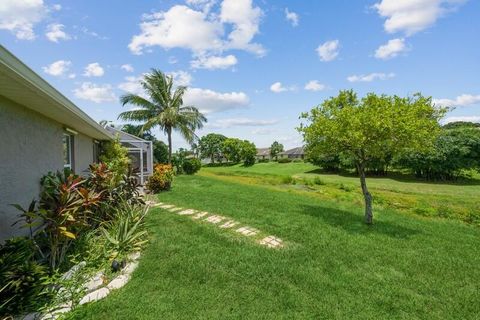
(367,196)
(169,134)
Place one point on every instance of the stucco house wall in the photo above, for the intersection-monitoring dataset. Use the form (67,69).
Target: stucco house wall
(31,145)
(83,153)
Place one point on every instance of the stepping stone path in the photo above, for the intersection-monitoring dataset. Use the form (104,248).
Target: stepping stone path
(167,206)
(215,219)
(272,242)
(229,224)
(187,212)
(269,241)
(247,231)
(200,215)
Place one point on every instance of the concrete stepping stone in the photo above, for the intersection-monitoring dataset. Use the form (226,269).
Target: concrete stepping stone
(247,231)
(157,204)
(272,242)
(187,212)
(95,282)
(200,215)
(118,282)
(229,224)
(95,295)
(167,206)
(175,209)
(215,219)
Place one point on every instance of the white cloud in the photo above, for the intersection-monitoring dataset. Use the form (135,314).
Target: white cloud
(391,49)
(292,17)
(127,67)
(278,87)
(241,122)
(179,27)
(93,70)
(328,51)
(55,32)
(209,101)
(57,7)
(263,131)
(181,78)
(245,21)
(58,68)
(20,17)
(412,16)
(463,100)
(132,85)
(314,85)
(200,31)
(214,62)
(462,118)
(95,93)
(204,5)
(370,77)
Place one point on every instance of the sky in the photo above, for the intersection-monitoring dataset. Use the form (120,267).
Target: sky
(252,67)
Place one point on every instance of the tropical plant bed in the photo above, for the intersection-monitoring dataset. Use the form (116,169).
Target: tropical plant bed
(334,266)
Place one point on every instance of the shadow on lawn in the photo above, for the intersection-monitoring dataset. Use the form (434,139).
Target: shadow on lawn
(353,223)
(401,177)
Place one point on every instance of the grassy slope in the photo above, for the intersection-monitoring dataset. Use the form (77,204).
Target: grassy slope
(333,266)
(453,200)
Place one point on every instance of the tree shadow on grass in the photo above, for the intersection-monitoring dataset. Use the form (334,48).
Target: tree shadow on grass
(354,224)
(401,177)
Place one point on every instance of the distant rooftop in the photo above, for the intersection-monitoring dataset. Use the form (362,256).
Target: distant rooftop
(294,151)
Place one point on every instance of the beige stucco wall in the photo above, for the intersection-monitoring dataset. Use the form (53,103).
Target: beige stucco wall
(30,146)
(83,153)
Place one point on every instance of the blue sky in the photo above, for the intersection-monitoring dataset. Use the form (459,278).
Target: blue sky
(251,66)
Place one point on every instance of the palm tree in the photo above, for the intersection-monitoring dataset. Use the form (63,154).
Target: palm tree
(163,108)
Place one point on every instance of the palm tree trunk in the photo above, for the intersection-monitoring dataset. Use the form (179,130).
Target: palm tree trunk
(169,134)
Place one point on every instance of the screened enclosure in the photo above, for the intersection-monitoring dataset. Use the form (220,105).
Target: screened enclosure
(140,152)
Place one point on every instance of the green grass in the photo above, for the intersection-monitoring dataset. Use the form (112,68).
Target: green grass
(333,266)
(458,200)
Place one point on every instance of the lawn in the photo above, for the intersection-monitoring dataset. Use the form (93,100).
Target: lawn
(457,200)
(332,265)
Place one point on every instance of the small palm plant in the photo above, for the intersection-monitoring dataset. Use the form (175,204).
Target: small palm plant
(163,108)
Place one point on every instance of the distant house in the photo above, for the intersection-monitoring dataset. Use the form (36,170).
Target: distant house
(295,153)
(263,153)
(40,131)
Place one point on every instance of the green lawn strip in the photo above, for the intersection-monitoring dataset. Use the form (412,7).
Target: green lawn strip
(401,268)
(452,201)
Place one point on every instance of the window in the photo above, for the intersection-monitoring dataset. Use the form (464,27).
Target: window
(68,151)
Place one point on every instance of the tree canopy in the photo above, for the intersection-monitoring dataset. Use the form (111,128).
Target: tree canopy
(163,109)
(210,146)
(369,129)
(275,149)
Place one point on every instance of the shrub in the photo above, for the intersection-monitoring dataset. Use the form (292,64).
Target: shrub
(191,166)
(318,181)
(66,206)
(20,277)
(127,233)
(115,156)
(263,160)
(161,179)
(284,160)
(297,160)
(288,180)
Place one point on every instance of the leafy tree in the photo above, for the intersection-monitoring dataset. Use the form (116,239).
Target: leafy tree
(164,108)
(210,146)
(160,151)
(455,150)
(231,148)
(248,151)
(373,127)
(115,156)
(275,149)
(461,124)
